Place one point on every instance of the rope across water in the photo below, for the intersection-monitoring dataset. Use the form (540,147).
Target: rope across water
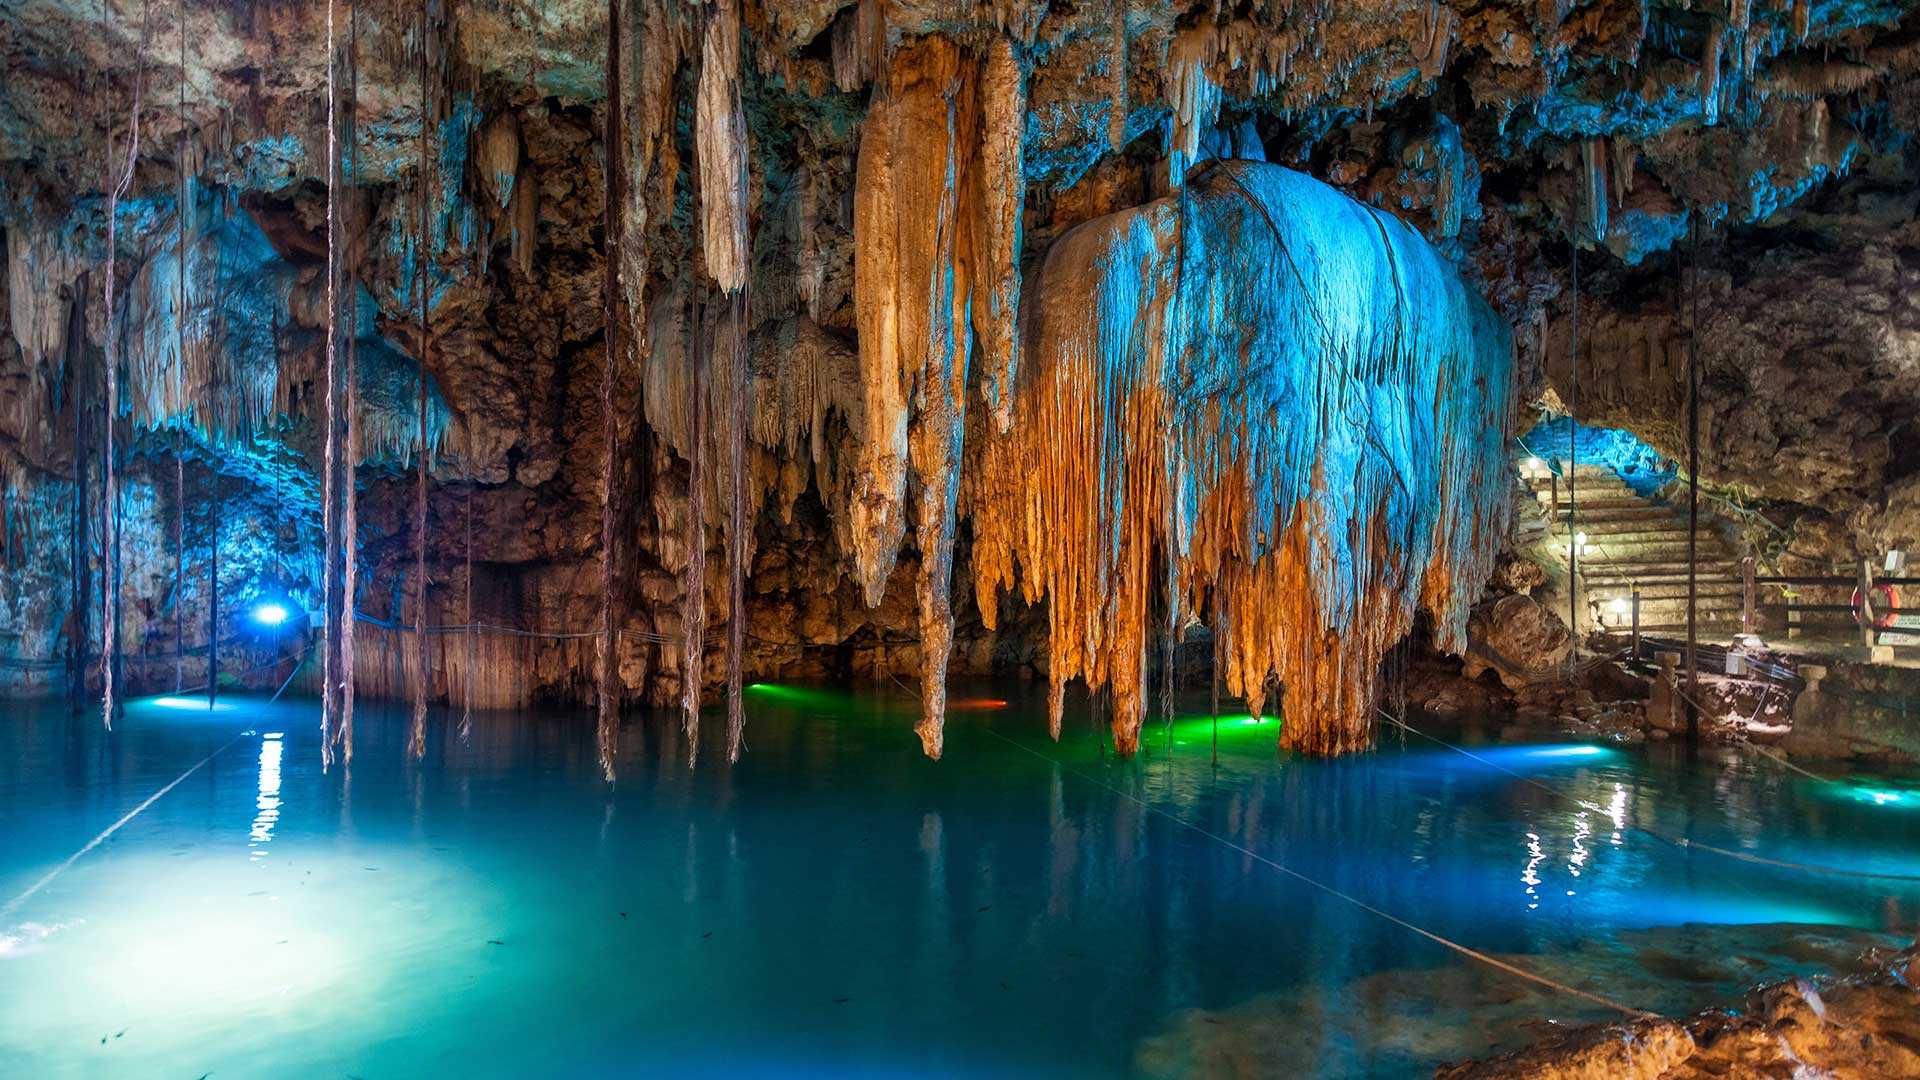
(1677,841)
(1464,950)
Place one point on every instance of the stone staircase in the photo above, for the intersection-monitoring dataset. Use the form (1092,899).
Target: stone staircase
(1635,541)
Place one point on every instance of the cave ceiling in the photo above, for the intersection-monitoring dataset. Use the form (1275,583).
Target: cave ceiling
(1743,167)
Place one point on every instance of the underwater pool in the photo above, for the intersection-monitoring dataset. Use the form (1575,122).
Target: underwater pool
(835,904)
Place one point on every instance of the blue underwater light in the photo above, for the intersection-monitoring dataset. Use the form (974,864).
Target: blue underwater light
(1566,752)
(269,613)
(180,703)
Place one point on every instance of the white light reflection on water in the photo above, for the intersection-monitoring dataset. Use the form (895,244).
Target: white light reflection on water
(1617,810)
(267,805)
(1531,875)
(1581,831)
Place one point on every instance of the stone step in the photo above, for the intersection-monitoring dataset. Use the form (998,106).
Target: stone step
(1641,532)
(1709,632)
(1581,479)
(1640,513)
(1666,611)
(1596,501)
(1585,468)
(1640,552)
(1615,576)
(1651,592)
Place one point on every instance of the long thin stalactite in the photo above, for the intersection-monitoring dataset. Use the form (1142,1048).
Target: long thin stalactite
(417,738)
(110,496)
(608,728)
(694,601)
(738,526)
(350,402)
(335,617)
(721,132)
(182,205)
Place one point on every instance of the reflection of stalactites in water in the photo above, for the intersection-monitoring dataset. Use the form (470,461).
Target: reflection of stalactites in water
(933,848)
(267,802)
(1064,849)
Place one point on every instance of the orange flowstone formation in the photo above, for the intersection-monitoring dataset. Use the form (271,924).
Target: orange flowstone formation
(1260,400)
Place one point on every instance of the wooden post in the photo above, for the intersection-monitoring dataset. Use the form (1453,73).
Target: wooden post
(1863,607)
(1635,655)
(1748,616)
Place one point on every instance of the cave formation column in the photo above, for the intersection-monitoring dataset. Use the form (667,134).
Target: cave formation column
(938,189)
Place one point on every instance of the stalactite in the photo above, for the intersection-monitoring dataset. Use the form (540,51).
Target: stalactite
(1003,185)
(1625,156)
(720,127)
(1710,77)
(1440,25)
(651,167)
(116,190)
(813,266)
(180,210)
(694,598)
(1338,401)
(911,289)
(1593,171)
(335,617)
(77,525)
(615,189)
(738,524)
(936,211)
(80,601)
(217,394)
(466,713)
(350,400)
(1195,97)
(417,738)
(721,132)
(659,41)
(1220,635)
(213,589)
(858,37)
(179,560)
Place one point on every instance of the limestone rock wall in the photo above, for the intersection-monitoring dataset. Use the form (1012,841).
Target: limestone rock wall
(1499,133)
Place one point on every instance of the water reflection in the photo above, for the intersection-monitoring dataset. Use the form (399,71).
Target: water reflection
(850,903)
(267,804)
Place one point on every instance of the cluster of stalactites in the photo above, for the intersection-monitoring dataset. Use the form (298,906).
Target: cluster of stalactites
(720,126)
(937,200)
(218,353)
(1261,400)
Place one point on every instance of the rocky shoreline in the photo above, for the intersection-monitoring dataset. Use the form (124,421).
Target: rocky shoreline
(1864,1025)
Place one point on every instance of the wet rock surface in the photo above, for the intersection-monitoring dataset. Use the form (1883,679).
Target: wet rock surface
(1468,1011)
(1857,1025)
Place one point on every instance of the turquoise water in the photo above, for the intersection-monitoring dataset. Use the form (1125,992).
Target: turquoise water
(837,905)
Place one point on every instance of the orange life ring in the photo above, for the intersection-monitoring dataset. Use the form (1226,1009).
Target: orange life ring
(1883,611)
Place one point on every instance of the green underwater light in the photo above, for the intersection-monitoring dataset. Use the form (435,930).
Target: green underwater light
(1242,729)
(808,697)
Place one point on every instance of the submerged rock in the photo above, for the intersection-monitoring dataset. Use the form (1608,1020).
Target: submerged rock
(1416,1018)
(1863,1025)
